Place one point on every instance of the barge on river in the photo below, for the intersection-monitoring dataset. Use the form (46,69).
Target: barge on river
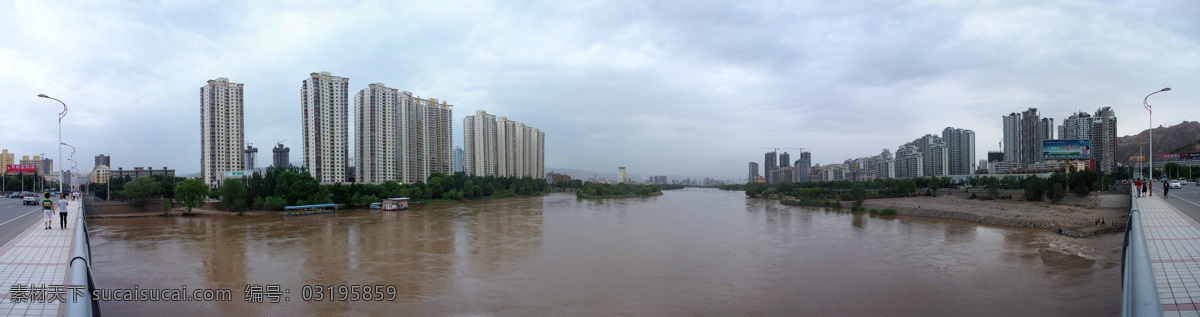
(394,204)
(308,210)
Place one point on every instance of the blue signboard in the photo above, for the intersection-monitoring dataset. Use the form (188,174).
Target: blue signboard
(1066,149)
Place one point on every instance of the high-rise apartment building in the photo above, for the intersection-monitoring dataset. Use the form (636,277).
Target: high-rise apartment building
(621,176)
(458,160)
(501,147)
(1012,137)
(1034,130)
(802,167)
(934,155)
(1104,139)
(46,168)
(426,138)
(324,103)
(753,175)
(960,145)
(250,158)
(376,140)
(479,135)
(280,156)
(769,166)
(221,129)
(1076,127)
(909,162)
(6,159)
(883,165)
(103,160)
(400,137)
(785,161)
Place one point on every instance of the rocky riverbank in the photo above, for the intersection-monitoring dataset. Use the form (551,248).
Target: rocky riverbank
(1074,216)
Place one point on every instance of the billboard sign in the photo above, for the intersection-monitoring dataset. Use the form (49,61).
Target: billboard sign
(20,168)
(1066,149)
(1181,156)
(1137,158)
(237,174)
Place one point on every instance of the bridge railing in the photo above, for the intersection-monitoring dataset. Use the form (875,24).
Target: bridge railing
(81,272)
(1139,293)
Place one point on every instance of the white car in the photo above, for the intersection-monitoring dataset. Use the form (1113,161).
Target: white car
(1175,184)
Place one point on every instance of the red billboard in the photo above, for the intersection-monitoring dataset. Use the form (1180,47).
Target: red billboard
(21,168)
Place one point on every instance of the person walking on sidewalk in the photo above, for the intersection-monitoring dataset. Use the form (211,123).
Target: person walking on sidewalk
(47,210)
(1165,190)
(1137,184)
(62,210)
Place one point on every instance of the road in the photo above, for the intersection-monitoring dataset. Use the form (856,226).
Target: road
(16,218)
(1186,199)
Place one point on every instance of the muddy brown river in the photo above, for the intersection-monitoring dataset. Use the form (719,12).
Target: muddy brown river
(687,252)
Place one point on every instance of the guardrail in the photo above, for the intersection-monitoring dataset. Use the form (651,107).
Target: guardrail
(81,271)
(1139,294)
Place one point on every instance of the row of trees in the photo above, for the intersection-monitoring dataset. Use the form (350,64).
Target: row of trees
(602,190)
(1035,188)
(279,187)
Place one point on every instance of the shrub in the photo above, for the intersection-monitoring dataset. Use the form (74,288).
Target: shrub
(887,212)
(874,211)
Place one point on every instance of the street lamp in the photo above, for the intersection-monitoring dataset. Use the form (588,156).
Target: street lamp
(60,117)
(1147,105)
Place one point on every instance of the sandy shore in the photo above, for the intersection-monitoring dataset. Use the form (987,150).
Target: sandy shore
(1074,216)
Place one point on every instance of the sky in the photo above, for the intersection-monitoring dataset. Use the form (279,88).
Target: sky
(660,87)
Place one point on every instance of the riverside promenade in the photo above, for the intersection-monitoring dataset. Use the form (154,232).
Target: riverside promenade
(34,268)
(1173,242)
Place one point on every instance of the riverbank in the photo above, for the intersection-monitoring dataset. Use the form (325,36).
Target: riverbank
(1074,216)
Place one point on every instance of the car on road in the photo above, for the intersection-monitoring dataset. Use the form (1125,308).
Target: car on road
(1175,184)
(29,199)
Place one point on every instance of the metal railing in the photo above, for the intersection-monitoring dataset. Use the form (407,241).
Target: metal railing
(81,272)
(1139,293)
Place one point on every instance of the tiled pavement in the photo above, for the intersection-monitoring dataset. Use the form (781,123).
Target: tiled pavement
(1173,241)
(37,257)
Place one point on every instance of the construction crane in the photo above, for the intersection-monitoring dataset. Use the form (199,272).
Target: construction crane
(280,142)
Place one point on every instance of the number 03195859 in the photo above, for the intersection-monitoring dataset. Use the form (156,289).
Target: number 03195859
(352,293)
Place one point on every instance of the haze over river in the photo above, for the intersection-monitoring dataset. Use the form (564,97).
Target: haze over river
(687,252)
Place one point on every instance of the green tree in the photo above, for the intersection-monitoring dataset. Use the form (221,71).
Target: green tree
(1082,181)
(191,192)
(1172,170)
(233,195)
(934,183)
(140,189)
(1057,192)
(858,191)
(1034,188)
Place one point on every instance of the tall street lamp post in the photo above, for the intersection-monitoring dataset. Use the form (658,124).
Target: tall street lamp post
(1147,105)
(60,117)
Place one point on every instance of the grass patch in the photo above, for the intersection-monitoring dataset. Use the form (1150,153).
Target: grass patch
(887,212)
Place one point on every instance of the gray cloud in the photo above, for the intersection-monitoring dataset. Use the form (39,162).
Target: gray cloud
(684,88)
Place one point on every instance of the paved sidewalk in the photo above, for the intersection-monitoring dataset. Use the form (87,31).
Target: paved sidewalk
(35,258)
(1173,241)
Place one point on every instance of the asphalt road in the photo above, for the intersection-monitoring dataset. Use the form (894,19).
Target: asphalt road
(1186,199)
(16,218)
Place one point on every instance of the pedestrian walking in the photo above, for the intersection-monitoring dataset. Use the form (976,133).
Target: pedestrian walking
(47,210)
(1165,190)
(62,210)
(1137,184)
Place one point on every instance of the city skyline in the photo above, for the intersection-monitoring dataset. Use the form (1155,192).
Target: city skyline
(842,80)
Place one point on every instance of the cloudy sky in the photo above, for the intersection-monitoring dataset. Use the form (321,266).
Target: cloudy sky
(673,87)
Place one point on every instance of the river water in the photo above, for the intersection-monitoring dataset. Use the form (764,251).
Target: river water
(687,252)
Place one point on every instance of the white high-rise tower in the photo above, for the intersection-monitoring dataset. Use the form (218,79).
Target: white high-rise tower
(324,105)
(222,130)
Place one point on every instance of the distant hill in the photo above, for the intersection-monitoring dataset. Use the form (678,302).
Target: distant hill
(1190,148)
(1181,138)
